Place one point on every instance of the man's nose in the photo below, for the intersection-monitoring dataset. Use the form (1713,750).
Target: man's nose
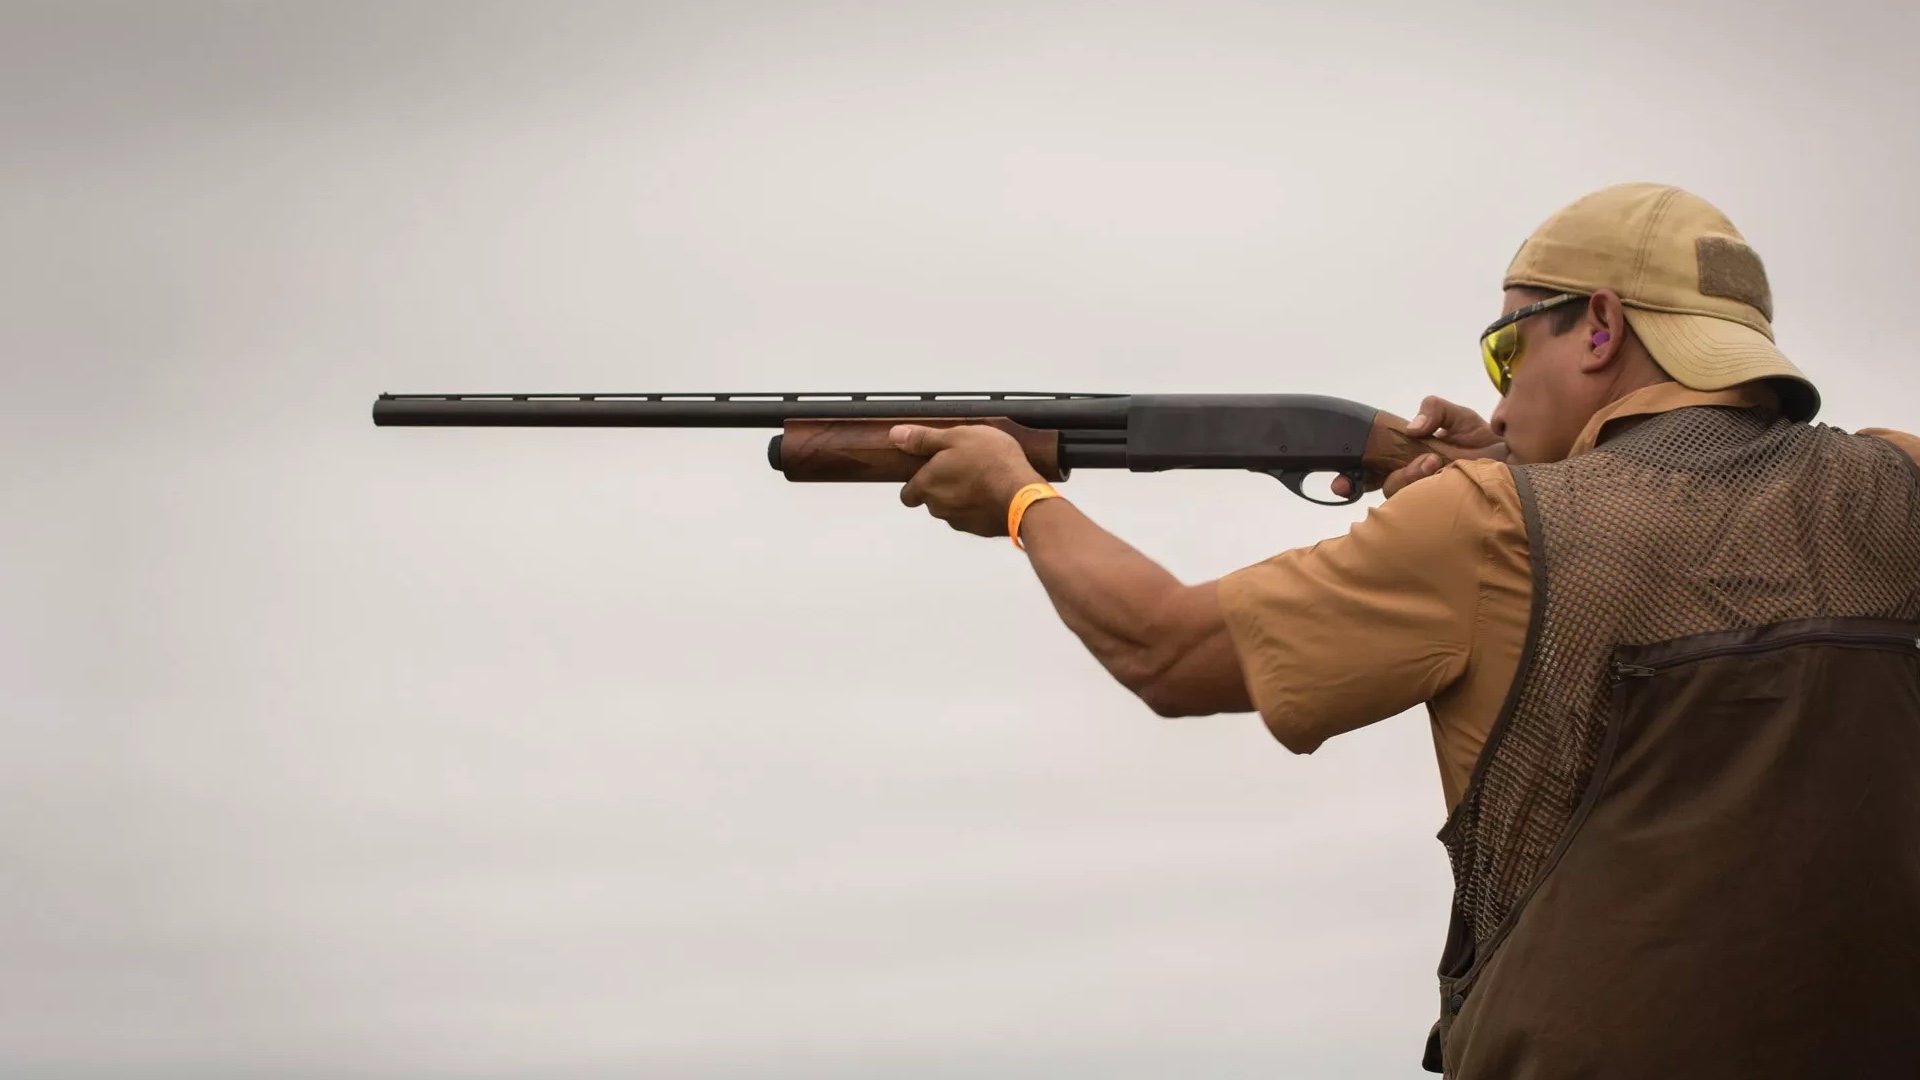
(1498,421)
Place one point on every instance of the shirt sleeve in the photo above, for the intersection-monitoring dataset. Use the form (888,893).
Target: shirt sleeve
(1901,439)
(1362,627)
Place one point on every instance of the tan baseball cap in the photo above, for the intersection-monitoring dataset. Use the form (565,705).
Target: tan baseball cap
(1695,293)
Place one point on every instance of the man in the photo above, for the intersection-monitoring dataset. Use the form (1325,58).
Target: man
(1668,634)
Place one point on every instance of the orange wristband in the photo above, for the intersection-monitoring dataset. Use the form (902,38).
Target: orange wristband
(1017,509)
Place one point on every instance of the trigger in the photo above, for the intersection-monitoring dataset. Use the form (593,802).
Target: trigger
(1295,478)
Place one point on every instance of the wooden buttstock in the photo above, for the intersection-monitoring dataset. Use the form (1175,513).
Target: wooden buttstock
(854,451)
(1390,449)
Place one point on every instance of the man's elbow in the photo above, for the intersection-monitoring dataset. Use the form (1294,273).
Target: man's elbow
(1186,665)
(1174,690)
(1174,707)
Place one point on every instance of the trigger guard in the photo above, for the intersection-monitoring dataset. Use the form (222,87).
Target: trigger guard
(1293,478)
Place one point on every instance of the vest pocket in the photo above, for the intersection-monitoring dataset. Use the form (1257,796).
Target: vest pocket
(1648,660)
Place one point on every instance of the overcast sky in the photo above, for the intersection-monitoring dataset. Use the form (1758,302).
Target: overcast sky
(335,751)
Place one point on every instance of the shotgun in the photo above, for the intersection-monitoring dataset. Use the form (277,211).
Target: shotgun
(843,437)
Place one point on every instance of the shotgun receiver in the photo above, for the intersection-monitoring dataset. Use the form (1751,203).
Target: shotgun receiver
(844,437)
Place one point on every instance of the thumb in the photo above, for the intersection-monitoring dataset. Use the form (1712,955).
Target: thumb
(921,441)
(1445,420)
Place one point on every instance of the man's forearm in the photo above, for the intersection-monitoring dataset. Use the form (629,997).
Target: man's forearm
(1163,640)
(1107,593)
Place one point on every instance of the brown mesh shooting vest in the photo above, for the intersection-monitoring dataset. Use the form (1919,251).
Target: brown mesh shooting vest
(1691,845)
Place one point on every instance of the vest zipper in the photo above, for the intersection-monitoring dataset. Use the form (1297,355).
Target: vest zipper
(1623,670)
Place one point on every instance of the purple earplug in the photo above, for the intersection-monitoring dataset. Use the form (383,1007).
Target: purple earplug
(1599,337)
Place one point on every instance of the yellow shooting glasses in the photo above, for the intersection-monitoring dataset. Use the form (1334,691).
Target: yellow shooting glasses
(1500,343)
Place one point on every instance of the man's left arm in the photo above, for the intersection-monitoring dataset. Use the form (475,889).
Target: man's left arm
(1164,640)
(1318,640)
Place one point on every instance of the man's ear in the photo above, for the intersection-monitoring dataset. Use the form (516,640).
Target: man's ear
(1605,331)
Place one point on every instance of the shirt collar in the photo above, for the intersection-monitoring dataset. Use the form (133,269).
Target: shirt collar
(1666,397)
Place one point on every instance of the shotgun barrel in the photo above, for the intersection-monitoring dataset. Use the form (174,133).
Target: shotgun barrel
(844,437)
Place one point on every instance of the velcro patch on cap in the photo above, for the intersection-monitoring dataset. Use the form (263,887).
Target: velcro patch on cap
(1731,270)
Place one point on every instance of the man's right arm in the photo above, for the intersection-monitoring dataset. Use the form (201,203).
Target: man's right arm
(1906,442)
(1442,421)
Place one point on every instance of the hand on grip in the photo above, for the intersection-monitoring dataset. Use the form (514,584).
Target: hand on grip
(1401,452)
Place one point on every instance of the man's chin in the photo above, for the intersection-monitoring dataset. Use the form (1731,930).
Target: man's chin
(1519,456)
(1521,453)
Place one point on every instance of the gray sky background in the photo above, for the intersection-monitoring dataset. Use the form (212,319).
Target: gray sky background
(335,751)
